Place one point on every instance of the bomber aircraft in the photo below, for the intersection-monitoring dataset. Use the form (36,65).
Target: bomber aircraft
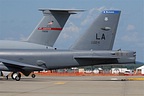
(94,47)
(45,34)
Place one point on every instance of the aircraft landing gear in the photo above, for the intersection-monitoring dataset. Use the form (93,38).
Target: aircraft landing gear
(7,77)
(33,75)
(16,76)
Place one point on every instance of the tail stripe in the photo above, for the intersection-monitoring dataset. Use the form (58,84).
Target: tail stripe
(45,28)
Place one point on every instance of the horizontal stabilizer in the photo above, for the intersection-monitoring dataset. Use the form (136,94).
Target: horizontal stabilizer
(70,11)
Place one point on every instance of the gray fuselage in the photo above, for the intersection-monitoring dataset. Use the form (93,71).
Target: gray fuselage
(53,59)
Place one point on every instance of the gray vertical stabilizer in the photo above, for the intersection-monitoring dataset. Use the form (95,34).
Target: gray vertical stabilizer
(101,34)
(49,28)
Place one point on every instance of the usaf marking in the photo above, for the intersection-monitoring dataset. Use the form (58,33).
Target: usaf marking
(110,12)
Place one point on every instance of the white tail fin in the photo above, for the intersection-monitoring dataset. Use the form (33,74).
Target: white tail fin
(101,34)
(49,28)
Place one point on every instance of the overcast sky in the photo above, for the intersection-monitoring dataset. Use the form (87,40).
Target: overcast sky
(18,18)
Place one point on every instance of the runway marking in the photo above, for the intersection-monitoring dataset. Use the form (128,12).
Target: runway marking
(137,79)
(114,79)
(60,83)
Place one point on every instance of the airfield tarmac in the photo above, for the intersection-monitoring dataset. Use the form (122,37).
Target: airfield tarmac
(72,86)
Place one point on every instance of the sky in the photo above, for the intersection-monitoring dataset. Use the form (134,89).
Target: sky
(18,18)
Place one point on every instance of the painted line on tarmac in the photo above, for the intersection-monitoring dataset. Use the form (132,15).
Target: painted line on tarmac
(59,83)
(135,79)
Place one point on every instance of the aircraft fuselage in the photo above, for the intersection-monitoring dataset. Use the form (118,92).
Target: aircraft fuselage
(54,59)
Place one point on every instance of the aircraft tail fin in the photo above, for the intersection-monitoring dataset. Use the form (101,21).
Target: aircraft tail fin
(101,34)
(49,28)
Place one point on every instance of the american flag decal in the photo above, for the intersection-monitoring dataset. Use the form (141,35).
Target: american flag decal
(50,23)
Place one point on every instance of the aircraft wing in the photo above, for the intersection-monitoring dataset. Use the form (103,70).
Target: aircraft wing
(95,57)
(20,66)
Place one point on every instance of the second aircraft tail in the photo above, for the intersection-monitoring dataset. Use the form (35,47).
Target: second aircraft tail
(49,28)
(101,34)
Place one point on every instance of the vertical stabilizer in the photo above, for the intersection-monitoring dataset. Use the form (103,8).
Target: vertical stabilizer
(49,28)
(101,34)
